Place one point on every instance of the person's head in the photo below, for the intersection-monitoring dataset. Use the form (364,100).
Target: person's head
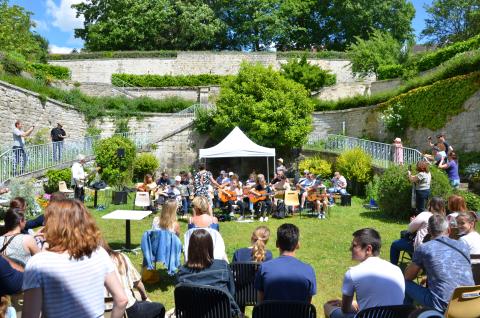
(178,179)
(168,216)
(437,225)
(14,217)
(201,166)
(259,241)
(57,196)
(260,179)
(456,203)
(366,242)
(18,124)
(441,137)
(200,205)
(452,156)
(397,140)
(436,205)
(466,222)
(81,158)
(280,173)
(148,179)
(69,227)
(288,236)
(59,125)
(164,175)
(200,250)
(435,150)
(337,174)
(18,203)
(311,176)
(422,166)
(280,161)
(252,176)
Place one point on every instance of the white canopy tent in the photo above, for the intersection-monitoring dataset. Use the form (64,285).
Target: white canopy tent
(237,145)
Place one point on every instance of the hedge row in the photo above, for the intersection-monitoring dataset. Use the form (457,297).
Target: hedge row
(130,80)
(390,71)
(313,55)
(112,54)
(14,63)
(54,71)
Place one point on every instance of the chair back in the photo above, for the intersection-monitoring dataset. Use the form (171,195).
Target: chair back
(426,313)
(291,198)
(142,199)
(284,309)
(397,311)
(475,258)
(199,301)
(62,187)
(465,303)
(244,278)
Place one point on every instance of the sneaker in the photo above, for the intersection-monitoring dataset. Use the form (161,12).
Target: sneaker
(265,219)
(322,215)
(240,218)
(261,219)
(232,214)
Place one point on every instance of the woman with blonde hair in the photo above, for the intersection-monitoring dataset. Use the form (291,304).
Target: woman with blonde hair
(68,278)
(466,230)
(202,214)
(168,218)
(258,251)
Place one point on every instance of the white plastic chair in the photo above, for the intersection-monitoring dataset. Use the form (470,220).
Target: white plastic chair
(62,187)
(142,199)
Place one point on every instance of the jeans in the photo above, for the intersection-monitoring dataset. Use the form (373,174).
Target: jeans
(338,313)
(185,205)
(57,150)
(79,193)
(422,295)
(146,309)
(263,207)
(455,183)
(17,153)
(398,246)
(421,199)
(240,204)
(336,190)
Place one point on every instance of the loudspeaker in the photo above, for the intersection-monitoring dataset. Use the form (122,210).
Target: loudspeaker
(346,200)
(121,153)
(119,197)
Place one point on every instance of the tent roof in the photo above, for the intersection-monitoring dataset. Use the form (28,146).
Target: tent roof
(237,144)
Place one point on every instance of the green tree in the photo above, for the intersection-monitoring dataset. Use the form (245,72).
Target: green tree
(15,34)
(310,76)
(452,21)
(270,109)
(368,55)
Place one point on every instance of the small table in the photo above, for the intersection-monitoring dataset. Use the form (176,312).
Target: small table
(127,215)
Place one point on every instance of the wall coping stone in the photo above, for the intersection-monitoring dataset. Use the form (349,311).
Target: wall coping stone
(345,110)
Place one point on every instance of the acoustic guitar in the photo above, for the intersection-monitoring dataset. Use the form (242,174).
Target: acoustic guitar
(262,195)
(226,195)
(315,194)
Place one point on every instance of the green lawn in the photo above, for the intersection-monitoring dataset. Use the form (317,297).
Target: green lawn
(324,244)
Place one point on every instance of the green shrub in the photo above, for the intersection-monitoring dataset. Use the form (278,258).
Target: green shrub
(465,159)
(440,185)
(54,176)
(317,166)
(356,166)
(372,188)
(116,171)
(312,55)
(42,136)
(25,188)
(47,70)
(389,71)
(310,76)
(131,80)
(144,163)
(13,63)
(471,199)
(113,54)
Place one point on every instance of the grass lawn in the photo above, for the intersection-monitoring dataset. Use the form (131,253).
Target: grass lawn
(324,244)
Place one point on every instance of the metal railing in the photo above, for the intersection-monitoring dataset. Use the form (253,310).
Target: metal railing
(381,153)
(30,159)
(193,110)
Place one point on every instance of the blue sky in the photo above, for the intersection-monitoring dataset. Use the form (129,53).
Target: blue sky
(56,20)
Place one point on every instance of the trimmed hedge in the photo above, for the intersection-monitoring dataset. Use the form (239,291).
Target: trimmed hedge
(113,55)
(54,71)
(131,80)
(389,71)
(313,55)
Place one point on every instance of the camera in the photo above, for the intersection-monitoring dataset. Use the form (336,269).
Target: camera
(429,137)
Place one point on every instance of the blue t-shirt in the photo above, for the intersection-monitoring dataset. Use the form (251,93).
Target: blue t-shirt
(452,170)
(286,278)
(10,279)
(446,268)
(245,255)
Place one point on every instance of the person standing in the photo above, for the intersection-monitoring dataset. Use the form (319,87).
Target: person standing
(19,147)
(79,176)
(58,135)
(451,167)
(280,166)
(202,180)
(398,151)
(421,182)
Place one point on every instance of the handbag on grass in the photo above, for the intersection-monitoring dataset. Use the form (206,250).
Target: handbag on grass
(150,276)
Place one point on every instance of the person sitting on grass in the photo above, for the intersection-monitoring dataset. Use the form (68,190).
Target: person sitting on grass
(286,277)
(202,214)
(168,218)
(257,252)
(446,263)
(201,268)
(466,230)
(374,281)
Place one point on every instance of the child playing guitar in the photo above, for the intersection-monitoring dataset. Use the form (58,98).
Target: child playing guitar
(231,195)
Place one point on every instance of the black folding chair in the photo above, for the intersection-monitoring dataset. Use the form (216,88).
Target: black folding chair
(199,301)
(244,277)
(398,311)
(475,259)
(284,309)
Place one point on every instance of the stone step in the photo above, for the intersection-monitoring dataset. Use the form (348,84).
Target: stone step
(463,186)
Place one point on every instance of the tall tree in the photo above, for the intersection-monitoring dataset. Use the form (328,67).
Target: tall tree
(15,33)
(451,21)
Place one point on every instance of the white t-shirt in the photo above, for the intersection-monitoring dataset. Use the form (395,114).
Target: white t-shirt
(71,288)
(473,241)
(78,174)
(375,282)
(419,225)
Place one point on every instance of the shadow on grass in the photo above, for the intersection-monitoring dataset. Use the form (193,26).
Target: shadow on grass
(165,281)
(379,216)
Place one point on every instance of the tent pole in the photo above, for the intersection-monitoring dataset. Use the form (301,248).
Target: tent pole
(268,171)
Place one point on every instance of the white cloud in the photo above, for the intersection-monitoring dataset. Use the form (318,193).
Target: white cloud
(64,16)
(52,48)
(40,25)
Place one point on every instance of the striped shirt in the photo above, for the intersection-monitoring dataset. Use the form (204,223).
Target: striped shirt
(70,288)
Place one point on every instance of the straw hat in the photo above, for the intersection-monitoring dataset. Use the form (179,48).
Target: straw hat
(280,160)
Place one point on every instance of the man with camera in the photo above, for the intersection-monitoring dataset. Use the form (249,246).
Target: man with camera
(19,147)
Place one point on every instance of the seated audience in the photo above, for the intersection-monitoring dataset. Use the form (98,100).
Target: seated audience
(201,267)
(130,278)
(168,218)
(67,279)
(417,230)
(456,205)
(17,246)
(446,263)
(286,277)
(466,230)
(202,214)
(375,282)
(339,185)
(258,251)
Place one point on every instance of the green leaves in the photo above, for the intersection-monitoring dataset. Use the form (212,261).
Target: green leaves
(355,165)
(310,76)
